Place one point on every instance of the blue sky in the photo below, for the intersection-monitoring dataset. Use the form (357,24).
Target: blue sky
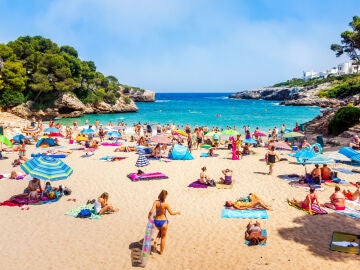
(189,45)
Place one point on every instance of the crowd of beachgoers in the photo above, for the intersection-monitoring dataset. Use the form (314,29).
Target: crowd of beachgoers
(227,156)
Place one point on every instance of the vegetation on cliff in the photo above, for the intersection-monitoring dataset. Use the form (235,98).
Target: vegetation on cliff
(343,119)
(35,68)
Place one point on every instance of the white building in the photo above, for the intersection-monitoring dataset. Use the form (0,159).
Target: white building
(345,68)
(308,75)
(342,69)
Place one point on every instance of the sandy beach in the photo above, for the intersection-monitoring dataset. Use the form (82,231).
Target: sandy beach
(43,237)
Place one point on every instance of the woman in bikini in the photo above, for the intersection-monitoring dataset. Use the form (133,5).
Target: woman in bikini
(253,234)
(337,200)
(253,202)
(102,206)
(271,158)
(310,199)
(160,219)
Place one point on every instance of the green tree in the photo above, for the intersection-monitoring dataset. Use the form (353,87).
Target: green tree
(13,76)
(350,41)
(69,50)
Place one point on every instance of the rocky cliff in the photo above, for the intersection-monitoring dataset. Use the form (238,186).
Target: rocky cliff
(68,105)
(146,96)
(295,96)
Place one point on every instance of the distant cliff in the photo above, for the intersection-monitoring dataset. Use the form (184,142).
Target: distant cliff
(296,96)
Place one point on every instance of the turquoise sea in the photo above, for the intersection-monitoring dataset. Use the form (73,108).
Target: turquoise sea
(211,109)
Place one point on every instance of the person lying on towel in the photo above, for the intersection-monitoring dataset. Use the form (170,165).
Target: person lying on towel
(250,202)
(253,234)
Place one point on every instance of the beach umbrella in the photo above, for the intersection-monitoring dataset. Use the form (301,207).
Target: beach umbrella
(47,168)
(55,134)
(336,156)
(180,132)
(259,134)
(87,131)
(282,145)
(160,139)
(293,134)
(230,132)
(81,138)
(250,141)
(319,159)
(52,130)
(142,161)
(18,138)
(212,133)
(114,134)
(5,140)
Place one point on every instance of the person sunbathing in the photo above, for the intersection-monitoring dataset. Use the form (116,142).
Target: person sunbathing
(253,202)
(101,205)
(325,172)
(253,234)
(204,178)
(306,204)
(353,196)
(337,200)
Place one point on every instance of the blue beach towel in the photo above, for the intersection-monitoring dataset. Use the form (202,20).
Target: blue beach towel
(234,213)
(74,212)
(344,170)
(349,212)
(263,233)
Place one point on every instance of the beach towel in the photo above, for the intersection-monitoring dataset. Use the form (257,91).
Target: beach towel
(350,212)
(49,155)
(197,184)
(249,213)
(112,158)
(290,177)
(314,207)
(263,233)
(207,155)
(307,186)
(75,212)
(345,242)
(223,186)
(146,176)
(344,170)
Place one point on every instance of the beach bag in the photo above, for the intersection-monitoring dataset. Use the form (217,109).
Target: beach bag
(84,213)
(67,191)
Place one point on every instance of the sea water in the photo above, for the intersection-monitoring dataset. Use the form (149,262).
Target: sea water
(211,109)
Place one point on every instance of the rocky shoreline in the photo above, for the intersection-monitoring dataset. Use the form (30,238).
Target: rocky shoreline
(67,105)
(294,96)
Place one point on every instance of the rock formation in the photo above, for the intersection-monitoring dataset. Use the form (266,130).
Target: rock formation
(68,105)
(295,96)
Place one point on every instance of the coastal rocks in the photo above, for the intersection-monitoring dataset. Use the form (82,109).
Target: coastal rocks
(319,125)
(294,96)
(146,96)
(314,101)
(67,103)
(118,107)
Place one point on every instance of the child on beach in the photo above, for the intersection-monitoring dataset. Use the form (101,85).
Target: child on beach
(101,205)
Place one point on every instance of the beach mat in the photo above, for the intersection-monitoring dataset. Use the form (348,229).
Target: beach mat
(345,242)
(344,170)
(223,186)
(307,186)
(314,207)
(75,212)
(263,233)
(207,155)
(341,183)
(350,212)
(250,213)
(197,184)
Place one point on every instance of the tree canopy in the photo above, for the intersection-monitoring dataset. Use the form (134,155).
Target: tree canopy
(33,65)
(350,41)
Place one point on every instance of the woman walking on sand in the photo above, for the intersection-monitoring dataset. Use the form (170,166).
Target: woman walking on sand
(160,219)
(271,158)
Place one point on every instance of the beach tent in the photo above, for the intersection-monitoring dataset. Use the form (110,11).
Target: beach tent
(180,152)
(45,142)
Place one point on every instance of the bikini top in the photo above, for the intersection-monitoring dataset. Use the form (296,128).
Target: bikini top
(158,210)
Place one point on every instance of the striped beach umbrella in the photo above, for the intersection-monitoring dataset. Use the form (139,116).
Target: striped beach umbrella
(47,168)
(142,161)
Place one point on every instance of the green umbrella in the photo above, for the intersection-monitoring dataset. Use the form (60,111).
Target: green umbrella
(6,141)
(230,132)
(293,134)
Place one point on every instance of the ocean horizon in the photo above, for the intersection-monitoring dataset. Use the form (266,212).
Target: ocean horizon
(210,109)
